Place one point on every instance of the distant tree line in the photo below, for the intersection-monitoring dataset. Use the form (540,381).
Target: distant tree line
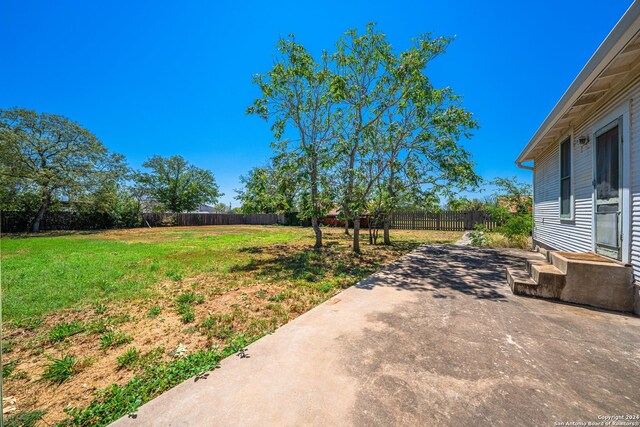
(49,162)
(362,130)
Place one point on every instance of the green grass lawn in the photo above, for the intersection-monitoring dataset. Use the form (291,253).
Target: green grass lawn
(44,274)
(106,312)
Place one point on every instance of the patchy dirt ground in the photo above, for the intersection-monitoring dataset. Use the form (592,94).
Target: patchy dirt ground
(268,286)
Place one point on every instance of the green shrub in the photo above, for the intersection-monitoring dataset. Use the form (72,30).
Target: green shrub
(60,370)
(517,226)
(478,236)
(65,329)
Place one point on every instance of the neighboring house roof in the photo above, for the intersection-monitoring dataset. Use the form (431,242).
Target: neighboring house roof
(617,57)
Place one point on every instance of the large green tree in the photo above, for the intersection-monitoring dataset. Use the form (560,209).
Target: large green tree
(177,185)
(394,124)
(297,98)
(53,157)
(269,189)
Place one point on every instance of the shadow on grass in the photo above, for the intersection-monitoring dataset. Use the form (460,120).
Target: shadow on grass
(314,265)
(56,233)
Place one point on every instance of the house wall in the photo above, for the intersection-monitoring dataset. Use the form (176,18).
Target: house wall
(576,234)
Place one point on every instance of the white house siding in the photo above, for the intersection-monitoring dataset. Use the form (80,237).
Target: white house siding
(634,131)
(568,235)
(576,235)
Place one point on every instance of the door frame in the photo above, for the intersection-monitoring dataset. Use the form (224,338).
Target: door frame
(619,116)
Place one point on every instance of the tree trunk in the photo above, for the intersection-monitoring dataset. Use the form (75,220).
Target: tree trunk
(46,200)
(356,234)
(370,232)
(387,226)
(318,231)
(346,220)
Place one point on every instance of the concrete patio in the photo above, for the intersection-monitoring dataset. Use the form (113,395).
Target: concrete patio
(435,339)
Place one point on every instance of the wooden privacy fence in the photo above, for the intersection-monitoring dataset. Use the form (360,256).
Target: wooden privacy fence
(187,219)
(445,221)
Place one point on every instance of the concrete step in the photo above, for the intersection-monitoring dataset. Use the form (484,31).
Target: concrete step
(595,280)
(543,252)
(546,274)
(520,282)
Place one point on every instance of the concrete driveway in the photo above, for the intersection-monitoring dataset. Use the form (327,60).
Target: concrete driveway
(437,338)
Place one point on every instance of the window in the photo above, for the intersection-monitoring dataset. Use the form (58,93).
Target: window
(565,178)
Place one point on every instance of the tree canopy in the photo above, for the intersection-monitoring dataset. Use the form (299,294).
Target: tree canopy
(297,98)
(364,128)
(50,156)
(176,184)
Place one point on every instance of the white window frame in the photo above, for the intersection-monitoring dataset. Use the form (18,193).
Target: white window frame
(570,216)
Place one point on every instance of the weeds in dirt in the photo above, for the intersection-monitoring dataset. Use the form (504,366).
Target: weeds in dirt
(63,330)
(60,370)
(185,309)
(99,309)
(218,326)
(278,297)
(8,368)
(154,312)
(114,339)
(128,358)
(189,298)
(116,401)
(24,419)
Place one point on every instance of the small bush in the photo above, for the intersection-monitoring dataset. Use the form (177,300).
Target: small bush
(65,329)
(478,236)
(517,227)
(60,370)
(114,339)
(128,358)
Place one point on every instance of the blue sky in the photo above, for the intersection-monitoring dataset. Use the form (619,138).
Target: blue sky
(175,77)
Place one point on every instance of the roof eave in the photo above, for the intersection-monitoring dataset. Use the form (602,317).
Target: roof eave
(615,41)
